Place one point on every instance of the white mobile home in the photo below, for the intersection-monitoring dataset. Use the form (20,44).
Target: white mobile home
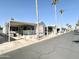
(23,28)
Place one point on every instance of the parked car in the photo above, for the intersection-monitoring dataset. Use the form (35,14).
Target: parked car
(76,31)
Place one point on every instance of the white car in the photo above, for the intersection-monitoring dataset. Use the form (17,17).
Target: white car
(76,30)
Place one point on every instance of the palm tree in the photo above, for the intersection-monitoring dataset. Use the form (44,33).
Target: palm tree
(61,12)
(54,2)
(69,26)
(12,19)
(37,17)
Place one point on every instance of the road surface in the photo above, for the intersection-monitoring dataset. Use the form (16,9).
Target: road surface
(61,47)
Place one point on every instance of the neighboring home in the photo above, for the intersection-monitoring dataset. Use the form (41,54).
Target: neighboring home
(42,28)
(49,29)
(77,25)
(23,28)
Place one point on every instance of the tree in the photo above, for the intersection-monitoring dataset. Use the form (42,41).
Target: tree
(37,17)
(61,12)
(54,2)
(69,26)
(12,19)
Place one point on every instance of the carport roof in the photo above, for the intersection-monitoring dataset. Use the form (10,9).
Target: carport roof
(17,23)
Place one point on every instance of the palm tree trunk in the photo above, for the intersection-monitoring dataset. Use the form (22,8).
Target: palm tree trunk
(55,12)
(37,17)
(61,25)
(61,12)
(55,15)
(61,20)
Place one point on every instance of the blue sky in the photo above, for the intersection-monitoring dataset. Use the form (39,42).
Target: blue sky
(24,10)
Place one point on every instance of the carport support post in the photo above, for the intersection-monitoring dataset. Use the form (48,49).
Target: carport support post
(47,30)
(28,33)
(9,32)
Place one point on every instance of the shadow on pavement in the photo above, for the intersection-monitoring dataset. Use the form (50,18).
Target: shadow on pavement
(4,38)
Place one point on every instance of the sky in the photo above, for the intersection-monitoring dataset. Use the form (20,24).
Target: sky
(25,11)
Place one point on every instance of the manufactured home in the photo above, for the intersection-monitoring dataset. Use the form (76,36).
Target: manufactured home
(20,29)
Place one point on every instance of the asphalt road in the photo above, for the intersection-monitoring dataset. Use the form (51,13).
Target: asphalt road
(61,47)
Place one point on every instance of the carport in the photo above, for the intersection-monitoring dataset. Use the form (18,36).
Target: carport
(21,28)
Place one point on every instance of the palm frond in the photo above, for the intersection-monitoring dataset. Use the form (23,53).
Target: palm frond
(54,2)
(61,11)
